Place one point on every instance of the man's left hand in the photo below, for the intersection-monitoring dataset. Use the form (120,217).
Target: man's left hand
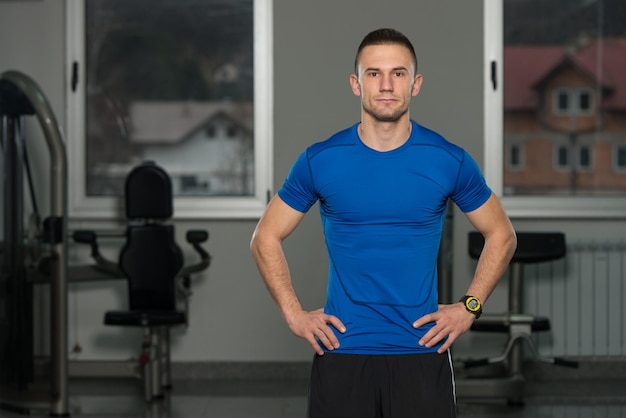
(450,321)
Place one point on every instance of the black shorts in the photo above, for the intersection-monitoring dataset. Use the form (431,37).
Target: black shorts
(382,386)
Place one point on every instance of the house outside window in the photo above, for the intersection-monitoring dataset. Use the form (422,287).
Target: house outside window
(563,91)
(183,83)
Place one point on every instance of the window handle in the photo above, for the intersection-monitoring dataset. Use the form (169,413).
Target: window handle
(494,75)
(74,75)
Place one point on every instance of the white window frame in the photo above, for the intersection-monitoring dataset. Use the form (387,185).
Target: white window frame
(81,206)
(574,157)
(557,157)
(573,95)
(579,154)
(521,148)
(616,150)
(564,207)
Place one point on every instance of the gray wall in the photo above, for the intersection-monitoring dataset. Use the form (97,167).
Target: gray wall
(232,316)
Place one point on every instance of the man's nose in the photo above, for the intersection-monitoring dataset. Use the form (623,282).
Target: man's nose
(386,83)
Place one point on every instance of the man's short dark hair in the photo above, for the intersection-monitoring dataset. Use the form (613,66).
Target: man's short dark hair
(384,36)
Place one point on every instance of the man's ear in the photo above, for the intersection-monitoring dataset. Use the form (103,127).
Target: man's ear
(354,84)
(417,84)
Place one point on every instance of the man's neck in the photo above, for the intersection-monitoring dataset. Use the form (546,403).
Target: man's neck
(384,136)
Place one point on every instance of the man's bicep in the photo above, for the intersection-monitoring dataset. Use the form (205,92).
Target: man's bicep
(490,217)
(279,219)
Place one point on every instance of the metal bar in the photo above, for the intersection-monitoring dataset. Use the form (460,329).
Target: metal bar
(58,208)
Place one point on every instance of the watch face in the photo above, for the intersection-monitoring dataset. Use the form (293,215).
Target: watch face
(473,304)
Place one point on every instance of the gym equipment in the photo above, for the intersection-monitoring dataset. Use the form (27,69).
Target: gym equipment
(532,247)
(38,253)
(152,264)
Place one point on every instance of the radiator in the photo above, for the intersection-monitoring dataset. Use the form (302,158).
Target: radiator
(584,296)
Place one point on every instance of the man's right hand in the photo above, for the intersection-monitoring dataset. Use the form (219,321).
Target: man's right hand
(315,327)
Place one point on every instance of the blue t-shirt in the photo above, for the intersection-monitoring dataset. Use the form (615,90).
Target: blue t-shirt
(382,215)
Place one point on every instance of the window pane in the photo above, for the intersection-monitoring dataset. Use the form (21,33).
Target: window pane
(563,160)
(515,156)
(584,101)
(621,157)
(170,81)
(563,86)
(585,157)
(563,101)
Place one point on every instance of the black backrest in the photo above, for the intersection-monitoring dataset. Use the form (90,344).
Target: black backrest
(532,247)
(148,192)
(150,258)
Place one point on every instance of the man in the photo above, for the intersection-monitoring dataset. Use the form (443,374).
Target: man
(382,340)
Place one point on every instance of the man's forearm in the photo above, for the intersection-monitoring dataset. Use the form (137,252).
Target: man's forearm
(492,264)
(274,270)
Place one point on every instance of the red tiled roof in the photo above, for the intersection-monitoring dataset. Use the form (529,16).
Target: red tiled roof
(525,66)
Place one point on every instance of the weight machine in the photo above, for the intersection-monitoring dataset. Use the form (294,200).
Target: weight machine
(34,254)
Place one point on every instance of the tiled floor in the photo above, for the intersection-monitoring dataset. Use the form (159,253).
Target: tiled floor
(119,398)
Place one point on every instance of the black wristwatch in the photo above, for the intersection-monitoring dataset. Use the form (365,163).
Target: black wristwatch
(473,305)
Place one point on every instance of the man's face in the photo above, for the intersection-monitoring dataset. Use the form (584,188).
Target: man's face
(386,81)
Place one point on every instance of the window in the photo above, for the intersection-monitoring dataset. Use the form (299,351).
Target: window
(562,101)
(562,157)
(186,84)
(582,152)
(515,156)
(556,81)
(584,101)
(620,157)
(584,157)
(572,101)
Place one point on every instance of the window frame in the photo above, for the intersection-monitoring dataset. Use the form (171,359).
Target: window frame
(574,96)
(616,150)
(574,156)
(580,151)
(532,207)
(81,206)
(519,149)
(560,151)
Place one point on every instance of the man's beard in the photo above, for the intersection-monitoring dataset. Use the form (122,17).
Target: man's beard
(394,116)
